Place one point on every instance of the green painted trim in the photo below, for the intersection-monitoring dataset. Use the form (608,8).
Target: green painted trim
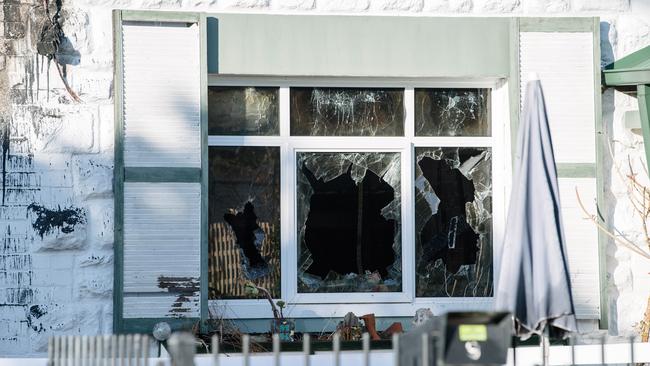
(514,85)
(322,45)
(118,175)
(643,97)
(145,325)
(204,171)
(637,60)
(159,16)
(576,170)
(600,179)
(212,44)
(145,174)
(626,77)
(556,24)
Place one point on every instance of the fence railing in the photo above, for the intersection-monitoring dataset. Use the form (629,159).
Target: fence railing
(135,350)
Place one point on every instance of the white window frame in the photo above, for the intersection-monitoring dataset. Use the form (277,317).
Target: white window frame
(404,303)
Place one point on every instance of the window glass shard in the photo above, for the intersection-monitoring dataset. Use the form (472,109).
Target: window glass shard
(347,112)
(452,112)
(234,110)
(244,220)
(453,222)
(349,218)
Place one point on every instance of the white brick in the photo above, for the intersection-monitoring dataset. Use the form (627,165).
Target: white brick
(601,5)
(93,177)
(244,4)
(546,6)
(106,129)
(293,4)
(343,5)
(99,216)
(397,5)
(496,6)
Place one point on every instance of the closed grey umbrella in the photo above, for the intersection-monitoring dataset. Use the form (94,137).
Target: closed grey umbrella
(533,281)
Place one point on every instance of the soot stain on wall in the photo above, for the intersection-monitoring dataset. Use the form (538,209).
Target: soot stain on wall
(4,141)
(50,220)
(184,287)
(34,313)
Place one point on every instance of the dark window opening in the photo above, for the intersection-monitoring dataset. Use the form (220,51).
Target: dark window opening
(453,222)
(350,241)
(345,230)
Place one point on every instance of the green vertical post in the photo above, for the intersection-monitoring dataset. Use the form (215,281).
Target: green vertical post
(643,95)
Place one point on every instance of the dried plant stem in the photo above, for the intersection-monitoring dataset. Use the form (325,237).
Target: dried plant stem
(620,240)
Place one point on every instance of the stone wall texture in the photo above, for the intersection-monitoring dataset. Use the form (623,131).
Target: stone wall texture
(56,251)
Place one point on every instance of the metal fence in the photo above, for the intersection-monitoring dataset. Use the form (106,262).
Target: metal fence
(134,350)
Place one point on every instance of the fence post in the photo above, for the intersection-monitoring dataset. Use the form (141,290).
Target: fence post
(365,338)
(396,349)
(425,349)
(276,349)
(215,349)
(245,348)
(306,348)
(602,350)
(182,348)
(632,338)
(336,348)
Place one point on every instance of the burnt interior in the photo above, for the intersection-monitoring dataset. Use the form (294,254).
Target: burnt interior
(447,234)
(345,230)
(249,237)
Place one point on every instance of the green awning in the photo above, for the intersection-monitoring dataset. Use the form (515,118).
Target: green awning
(632,74)
(631,70)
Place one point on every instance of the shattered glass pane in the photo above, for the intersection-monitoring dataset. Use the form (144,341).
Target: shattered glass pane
(347,112)
(244,220)
(453,222)
(349,212)
(234,110)
(452,112)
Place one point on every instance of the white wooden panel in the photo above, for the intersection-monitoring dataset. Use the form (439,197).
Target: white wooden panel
(162,95)
(564,63)
(582,245)
(162,248)
(151,306)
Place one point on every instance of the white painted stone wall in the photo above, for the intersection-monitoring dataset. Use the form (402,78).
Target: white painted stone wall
(60,153)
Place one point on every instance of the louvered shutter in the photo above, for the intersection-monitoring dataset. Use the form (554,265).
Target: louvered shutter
(159,212)
(565,54)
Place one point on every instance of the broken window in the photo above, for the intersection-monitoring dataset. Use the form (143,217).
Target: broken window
(244,220)
(453,222)
(452,112)
(349,212)
(347,112)
(342,156)
(243,111)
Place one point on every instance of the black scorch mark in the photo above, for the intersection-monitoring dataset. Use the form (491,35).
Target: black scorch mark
(345,230)
(184,287)
(249,237)
(33,314)
(4,140)
(447,235)
(63,220)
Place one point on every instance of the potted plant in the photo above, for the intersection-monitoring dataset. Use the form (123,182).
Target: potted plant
(279,324)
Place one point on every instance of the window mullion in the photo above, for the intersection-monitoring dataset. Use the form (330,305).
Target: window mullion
(284,112)
(409,112)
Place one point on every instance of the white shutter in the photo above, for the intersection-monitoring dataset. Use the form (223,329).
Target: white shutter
(162,90)
(158,188)
(564,62)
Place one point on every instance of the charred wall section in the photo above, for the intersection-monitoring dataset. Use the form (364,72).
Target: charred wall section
(56,197)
